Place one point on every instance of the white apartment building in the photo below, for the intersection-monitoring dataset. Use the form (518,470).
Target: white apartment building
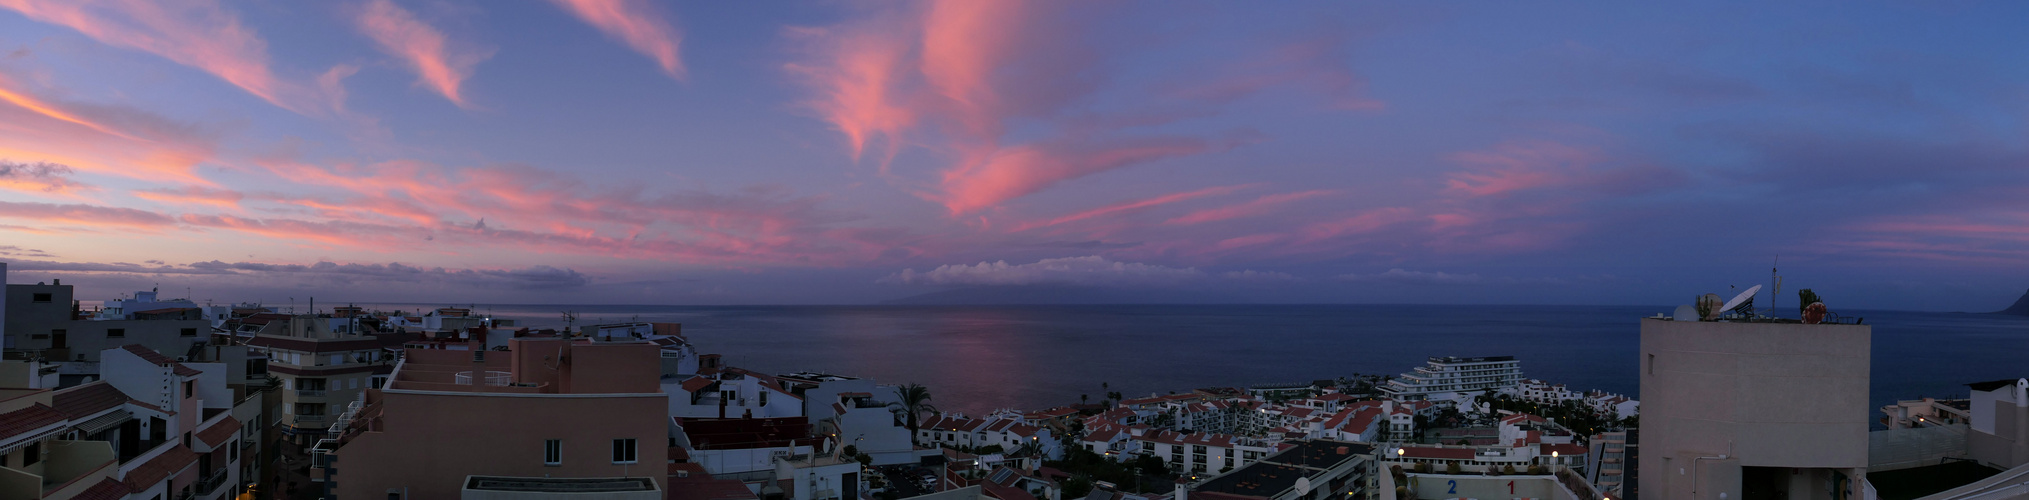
(1455,377)
(1202,452)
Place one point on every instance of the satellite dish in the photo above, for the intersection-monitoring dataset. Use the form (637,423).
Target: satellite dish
(1302,486)
(1745,298)
(1686,313)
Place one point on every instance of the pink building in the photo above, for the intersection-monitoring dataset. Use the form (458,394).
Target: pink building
(547,408)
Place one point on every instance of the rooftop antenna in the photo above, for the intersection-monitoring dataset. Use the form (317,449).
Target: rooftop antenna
(1777,290)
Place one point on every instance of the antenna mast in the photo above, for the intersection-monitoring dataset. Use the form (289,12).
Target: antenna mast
(1777,278)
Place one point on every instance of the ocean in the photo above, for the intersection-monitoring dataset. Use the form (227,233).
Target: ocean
(979,358)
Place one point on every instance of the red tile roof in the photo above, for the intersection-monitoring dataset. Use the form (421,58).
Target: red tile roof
(86,400)
(696,383)
(220,432)
(160,468)
(25,420)
(108,489)
(158,359)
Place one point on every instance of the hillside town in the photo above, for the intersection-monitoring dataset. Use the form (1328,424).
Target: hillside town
(149,397)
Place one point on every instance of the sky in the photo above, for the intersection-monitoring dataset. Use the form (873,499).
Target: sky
(636,152)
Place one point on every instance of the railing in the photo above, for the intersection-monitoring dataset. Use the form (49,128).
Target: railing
(310,393)
(212,482)
(351,412)
(493,378)
(309,419)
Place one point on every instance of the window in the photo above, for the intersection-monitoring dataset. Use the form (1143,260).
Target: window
(189,332)
(39,336)
(31,454)
(379,381)
(116,333)
(352,383)
(189,389)
(338,359)
(764,397)
(1652,364)
(553,452)
(234,455)
(623,451)
(257,367)
(43,298)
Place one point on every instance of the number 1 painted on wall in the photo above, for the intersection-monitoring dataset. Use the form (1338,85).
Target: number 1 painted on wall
(1511,487)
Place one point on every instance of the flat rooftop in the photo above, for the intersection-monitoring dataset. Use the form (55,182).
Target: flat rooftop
(1279,472)
(559,484)
(1905,484)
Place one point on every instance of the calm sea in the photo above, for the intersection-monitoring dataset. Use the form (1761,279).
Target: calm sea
(978,358)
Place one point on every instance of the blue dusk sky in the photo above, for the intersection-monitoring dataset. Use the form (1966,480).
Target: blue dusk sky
(595,151)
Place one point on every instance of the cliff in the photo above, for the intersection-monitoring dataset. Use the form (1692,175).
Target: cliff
(2021,307)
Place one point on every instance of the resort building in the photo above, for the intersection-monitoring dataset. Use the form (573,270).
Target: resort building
(1456,378)
(546,408)
(1612,463)
(1753,409)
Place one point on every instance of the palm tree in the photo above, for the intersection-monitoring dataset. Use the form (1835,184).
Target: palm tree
(1083,398)
(915,400)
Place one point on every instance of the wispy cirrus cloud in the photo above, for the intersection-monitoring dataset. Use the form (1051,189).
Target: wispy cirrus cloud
(637,23)
(1131,206)
(43,177)
(202,34)
(1255,208)
(15,251)
(959,77)
(193,195)
(439,63)
(85,215)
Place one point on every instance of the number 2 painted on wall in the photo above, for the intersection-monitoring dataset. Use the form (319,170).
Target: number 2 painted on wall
(1454,487)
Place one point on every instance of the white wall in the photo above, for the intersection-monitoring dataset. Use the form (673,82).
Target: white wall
(211,389)
(136,377)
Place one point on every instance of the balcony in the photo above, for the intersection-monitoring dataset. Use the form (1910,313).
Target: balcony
(309,393)
(309,420)
(211,482)
(72,466)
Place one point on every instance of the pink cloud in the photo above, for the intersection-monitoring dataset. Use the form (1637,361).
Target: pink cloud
(634,22)
(1013,172)
(1258,207)
(1136,205)
(193,195)
(533,209)
(953,76)
(198,33)
(97,138)
(38,177)
(437,63)
(857,81)
(1517,166)
(85,215)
